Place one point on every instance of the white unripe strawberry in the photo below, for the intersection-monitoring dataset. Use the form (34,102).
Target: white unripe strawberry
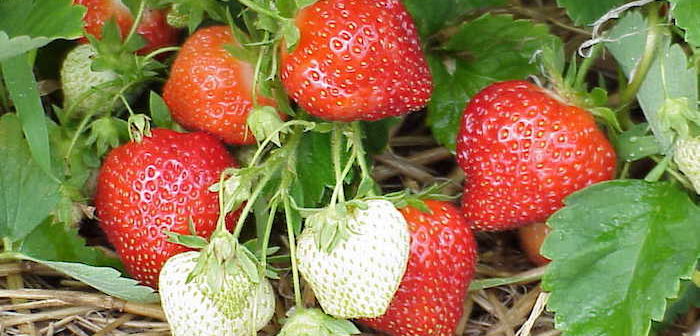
(239,308)
(360,274)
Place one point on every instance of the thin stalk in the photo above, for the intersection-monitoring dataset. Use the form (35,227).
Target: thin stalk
(586,65)
(252,5)
(292,253)
(359,149)
(336,143)
(256,74)
(645,63)
(160,51)
(249,204)
(134,26)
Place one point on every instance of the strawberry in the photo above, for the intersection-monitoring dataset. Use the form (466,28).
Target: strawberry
(523,150)
(356,60)
(77,79)
(360,274)
(157,185)
(209,89)
(153,26)
(305,322)
(531,238)
(441,264)
(687,157)
(239,308)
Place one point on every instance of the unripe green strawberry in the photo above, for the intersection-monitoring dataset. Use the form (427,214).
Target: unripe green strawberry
(239,308)
(315,322)
(361,273)
(687,157)
(77,79)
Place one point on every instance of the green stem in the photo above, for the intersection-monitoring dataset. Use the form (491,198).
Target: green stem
(359,148)
(249,204)
(160,51)
(645,63)
(292,253)
(336,143)
(256,74)
(268,231)
(7,244)
(135,25)
(263,145)
(4,99)
(586,65)
(252,5)
(525,277)
(658,171)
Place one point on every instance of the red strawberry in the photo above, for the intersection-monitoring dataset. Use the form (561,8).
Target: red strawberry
(531,238)
(153,26)
(209,89)
(159,185)
(441,264)
(357,60)
(523,150)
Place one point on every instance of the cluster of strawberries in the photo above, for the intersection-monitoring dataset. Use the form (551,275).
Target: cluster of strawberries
(522,149)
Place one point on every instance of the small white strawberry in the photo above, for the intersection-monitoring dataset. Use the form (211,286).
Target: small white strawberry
(238,308)
(354,261)
(84,90)
(687,157)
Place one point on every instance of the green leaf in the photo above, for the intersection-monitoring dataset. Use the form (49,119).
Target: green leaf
(634,144)
(499,48)
(27,194)
(687,16)
(30,24)
(314,167)
(586,12)
(25,94)
(53,241)
(669,77)
(431,16)
(190,241)
(106,279)
(160,114)
(618,250)
(377,134)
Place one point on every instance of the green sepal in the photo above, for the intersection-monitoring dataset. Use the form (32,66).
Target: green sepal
(139,126)
(191,241)
(107,133)
(265,122)
(315,322)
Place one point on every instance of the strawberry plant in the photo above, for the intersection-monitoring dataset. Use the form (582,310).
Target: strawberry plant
(343,167)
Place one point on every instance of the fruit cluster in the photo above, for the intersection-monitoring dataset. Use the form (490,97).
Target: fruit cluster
(398,264)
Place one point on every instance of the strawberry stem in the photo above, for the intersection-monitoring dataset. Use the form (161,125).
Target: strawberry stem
(137,20)
(336,143)
(292,253)
(160,51)
(645,63)
(361,155)
(586,65)
(259,9)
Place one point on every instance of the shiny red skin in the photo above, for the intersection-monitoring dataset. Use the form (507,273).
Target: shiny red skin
(146,188)
(523,151)
(531,238)
(153,26)
(357,60)
(209,89)
(429,301)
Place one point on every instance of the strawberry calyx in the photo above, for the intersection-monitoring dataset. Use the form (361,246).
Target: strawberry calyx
(302,322)
(139,126)
(416,199)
